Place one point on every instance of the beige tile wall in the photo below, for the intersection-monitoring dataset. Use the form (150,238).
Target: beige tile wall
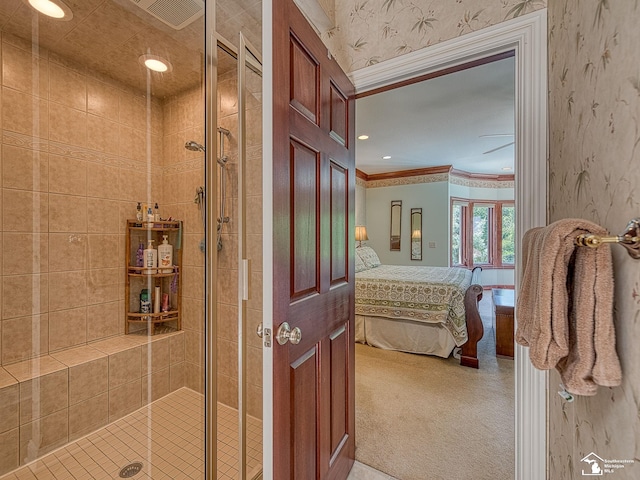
(52,399)
(183,174)
(73,165)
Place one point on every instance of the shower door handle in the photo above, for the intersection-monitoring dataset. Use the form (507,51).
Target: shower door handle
(287,334)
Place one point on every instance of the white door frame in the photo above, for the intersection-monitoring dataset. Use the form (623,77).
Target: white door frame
(527,35)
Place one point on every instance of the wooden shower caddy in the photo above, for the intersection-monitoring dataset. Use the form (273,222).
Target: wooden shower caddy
(138,278)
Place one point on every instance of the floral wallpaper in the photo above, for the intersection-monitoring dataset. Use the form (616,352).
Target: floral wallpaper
(594,162)
(371,31)
(594,168)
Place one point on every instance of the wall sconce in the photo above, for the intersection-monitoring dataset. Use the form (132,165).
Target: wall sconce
(361,234)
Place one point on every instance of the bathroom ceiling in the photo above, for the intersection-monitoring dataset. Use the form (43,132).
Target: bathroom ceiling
(448,120)
(108,36)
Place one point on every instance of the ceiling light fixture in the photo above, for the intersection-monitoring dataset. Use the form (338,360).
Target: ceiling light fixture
(507,169)
(363,137)
(52,8)
(386,157)
(155,63)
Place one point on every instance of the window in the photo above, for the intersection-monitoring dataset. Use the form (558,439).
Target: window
(457,214)
(482,215)
(508,234)
(482,233)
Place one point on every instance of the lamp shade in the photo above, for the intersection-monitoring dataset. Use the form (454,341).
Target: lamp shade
(361,233)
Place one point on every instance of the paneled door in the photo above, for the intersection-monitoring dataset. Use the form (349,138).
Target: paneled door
(313,271)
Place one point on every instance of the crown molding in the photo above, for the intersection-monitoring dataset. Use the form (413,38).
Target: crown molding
(418,172)
(482,176)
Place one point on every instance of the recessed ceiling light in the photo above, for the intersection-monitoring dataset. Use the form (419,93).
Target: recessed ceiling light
(52,8)
(386,157)
(155,63)
(507,169)
(363,137)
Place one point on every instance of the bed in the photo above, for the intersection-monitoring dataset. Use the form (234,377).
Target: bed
(417,309)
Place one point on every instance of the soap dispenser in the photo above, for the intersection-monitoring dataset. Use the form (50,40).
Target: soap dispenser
(150,258)
(165,256)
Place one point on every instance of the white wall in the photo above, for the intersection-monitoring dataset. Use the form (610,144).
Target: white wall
(476,193)
(373,209)
(433,198)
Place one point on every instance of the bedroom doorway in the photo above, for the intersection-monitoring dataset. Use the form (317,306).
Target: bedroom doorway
(526,37)
(452,158)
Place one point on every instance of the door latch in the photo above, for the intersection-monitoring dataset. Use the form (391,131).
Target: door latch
(265,335)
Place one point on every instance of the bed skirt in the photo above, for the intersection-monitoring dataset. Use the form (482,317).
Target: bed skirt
(404,335)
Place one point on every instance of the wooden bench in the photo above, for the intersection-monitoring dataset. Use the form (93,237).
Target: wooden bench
(503,302)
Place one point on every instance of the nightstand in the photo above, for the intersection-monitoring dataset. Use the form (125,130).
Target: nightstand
(503,302)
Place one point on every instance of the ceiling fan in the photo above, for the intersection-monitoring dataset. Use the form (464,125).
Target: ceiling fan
(498,135)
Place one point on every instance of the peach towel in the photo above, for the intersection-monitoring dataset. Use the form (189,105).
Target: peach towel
(565,306)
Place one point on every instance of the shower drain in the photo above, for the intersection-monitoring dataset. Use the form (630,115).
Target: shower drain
(131,470)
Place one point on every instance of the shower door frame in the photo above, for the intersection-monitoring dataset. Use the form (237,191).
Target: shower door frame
(211,247)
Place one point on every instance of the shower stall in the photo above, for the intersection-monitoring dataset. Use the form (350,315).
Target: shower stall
(107,104)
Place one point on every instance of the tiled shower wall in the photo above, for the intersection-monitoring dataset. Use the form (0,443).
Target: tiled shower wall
(184,173)
(73,167)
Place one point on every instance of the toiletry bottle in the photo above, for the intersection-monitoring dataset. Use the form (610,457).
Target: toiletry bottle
(165,256)
(145,302)
(140,256)
(150,216)
(139,212)
(156,213)
(150,258)
(156,300)
(165,302)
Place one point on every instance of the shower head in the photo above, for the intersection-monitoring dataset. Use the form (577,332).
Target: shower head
(194,146)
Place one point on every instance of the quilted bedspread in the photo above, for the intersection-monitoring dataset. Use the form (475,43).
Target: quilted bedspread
(421,294)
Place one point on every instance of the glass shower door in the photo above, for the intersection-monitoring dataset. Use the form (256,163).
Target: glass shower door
(250,256)
(102,357)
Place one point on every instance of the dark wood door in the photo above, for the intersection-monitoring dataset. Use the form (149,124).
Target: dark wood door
(313,275)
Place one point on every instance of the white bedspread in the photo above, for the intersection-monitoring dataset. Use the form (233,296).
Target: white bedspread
(433,295)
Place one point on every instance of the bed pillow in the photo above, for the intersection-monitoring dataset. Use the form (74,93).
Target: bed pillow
(360,266)
(369,256)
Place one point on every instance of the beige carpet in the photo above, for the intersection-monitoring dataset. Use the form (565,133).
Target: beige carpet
(427,418)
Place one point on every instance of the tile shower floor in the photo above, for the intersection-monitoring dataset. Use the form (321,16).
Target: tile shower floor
(166,436)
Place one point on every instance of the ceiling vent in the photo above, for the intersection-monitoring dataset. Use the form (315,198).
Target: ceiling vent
(175,13)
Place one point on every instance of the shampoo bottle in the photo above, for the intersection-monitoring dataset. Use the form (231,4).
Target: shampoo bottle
(140,256)
(165,256)
(156,213)
(150,258)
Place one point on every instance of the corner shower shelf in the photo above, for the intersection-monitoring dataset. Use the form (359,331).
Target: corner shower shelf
(138,278)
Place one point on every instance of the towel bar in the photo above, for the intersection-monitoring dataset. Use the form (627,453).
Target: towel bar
(630,239)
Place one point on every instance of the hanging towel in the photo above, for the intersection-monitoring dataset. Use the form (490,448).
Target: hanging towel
(565,306)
